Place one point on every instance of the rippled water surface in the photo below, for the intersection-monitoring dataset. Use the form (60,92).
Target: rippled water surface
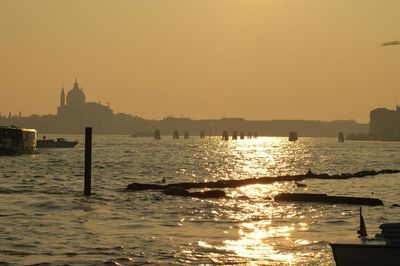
(44,218)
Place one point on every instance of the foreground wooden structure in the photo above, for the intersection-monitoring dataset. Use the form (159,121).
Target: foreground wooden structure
(262,180)
(323,198)
(180,189)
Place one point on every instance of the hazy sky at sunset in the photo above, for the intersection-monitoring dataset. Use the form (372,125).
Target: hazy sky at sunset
(257,59)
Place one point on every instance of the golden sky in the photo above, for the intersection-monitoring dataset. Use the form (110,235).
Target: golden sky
(257,59)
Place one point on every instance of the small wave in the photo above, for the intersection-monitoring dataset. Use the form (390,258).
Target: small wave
(9,191)
(50,205)
(15,253)
(320,243)
(339,222)
(12,214)
(119,261)
(105,253)
(71,254)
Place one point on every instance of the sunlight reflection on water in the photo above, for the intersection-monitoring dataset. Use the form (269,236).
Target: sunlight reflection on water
(260,240)
(45,219)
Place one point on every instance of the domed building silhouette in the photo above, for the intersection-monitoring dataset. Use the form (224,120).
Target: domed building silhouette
(74,108)
(76,96)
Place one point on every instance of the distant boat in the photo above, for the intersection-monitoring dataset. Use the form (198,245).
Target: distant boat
(384,249)
(16,141)
(58,143)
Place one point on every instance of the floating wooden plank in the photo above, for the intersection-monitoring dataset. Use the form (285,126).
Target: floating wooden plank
(309,197)
(263,180)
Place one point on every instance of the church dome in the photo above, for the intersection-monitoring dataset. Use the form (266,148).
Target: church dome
(76,96)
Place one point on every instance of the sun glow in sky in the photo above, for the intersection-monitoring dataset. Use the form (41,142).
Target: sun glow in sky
(257,59)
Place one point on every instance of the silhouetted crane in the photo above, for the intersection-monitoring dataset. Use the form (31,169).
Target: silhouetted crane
(391,43)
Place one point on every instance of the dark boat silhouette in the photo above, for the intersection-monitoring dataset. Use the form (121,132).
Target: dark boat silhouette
(384,249)
(16,141)
(58,143)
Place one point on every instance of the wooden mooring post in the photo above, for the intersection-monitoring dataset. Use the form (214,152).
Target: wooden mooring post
(234,135)
(157,134)
(88,162)
(175,135)
(340,137)
(225,135)
(293,136)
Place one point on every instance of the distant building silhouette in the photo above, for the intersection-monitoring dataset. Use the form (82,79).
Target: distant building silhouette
(62,97)
(74,106)
(74,113)
(385,124)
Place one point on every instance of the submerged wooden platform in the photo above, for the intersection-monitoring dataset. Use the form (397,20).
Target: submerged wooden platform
(324,198)
(262,180)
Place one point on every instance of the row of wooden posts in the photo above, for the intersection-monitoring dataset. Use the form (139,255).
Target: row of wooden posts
(293,136)
(157,135)
(225,135)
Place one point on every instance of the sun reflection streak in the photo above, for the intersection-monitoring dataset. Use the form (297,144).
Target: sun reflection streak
(267,156)
(254,242)
(265,232)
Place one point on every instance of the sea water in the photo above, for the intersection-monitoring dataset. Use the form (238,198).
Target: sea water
(45,219)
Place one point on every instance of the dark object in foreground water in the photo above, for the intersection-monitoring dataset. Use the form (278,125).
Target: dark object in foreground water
(87,190)
(140,186)
(262,180)
(178,191)
(300,184)
(207,194)
(362,232)
(308,197)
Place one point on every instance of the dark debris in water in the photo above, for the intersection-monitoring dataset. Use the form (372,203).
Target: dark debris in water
(180,189)
(263,180)
(323,198)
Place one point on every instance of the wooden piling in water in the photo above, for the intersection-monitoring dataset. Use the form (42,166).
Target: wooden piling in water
(202,134)
(249,136)
(234,135)
(241,135)
(186,135)
(175,135)
(293,136)
(225,135)
(157,134)
(88,162)
(341,137)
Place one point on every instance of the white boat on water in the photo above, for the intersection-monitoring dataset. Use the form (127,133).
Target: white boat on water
(382,250)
